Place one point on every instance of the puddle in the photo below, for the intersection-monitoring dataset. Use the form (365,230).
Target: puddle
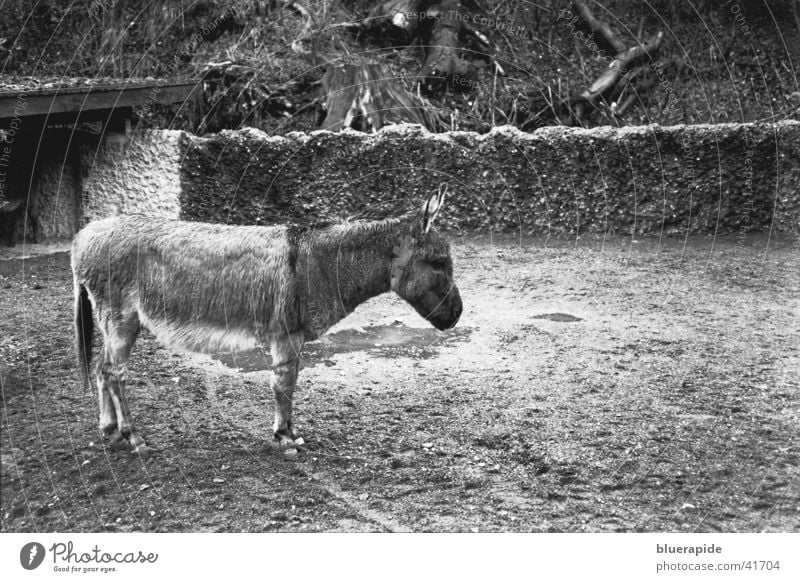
(388,341)
(559,317)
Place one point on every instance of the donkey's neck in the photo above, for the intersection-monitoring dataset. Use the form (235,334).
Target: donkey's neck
(354,262)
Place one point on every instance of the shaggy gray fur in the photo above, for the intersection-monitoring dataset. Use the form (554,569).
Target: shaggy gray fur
(210,287)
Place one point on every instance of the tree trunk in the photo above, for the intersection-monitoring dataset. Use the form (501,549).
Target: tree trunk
(367,97)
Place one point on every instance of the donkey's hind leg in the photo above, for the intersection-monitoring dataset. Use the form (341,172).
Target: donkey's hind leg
(108,416)
(119,334)
(285,365)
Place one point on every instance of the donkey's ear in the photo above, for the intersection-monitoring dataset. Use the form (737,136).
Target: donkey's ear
(432,207)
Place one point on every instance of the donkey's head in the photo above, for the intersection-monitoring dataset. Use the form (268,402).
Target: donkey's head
(422,270)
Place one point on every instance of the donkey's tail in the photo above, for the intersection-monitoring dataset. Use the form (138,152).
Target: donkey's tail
(84,331)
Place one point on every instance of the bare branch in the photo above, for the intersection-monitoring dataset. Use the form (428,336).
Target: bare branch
(620,66)
(607,39)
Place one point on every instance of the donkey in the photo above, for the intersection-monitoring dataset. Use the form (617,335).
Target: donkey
(210,287)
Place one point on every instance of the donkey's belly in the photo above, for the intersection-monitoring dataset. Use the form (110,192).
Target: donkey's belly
(199,336)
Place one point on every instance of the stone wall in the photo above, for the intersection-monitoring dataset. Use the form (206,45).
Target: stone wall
(58,184)
(651,179)
(140,174)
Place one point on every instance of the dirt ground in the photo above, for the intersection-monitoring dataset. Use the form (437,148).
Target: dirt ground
(591,385)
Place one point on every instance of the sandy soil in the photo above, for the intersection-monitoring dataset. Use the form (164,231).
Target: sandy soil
(591,385)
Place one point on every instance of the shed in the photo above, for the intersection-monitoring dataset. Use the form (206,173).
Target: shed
(47,126)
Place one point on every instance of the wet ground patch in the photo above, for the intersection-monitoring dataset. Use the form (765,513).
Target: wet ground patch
(558,317)
(386,341)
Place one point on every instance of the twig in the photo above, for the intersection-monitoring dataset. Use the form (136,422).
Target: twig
(796,12)
(510,46)
(498,7)
(494,91)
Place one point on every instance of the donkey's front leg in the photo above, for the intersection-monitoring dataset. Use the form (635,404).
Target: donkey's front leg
(285,365)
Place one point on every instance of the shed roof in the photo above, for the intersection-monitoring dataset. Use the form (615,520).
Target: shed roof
(61,99)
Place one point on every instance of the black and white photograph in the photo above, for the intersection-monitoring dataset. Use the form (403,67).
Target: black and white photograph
(422,266)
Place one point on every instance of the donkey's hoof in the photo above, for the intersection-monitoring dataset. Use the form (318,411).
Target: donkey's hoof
(284,439)
(117,442)
(137,444)
(289,443)
(108,428)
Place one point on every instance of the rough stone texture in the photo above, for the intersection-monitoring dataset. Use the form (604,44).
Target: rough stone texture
(82,178)
(704,179)
(136,175)
(58,184)
(51,197)
(651,179)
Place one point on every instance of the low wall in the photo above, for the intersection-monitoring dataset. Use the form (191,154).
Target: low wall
(652,179)
(702,179)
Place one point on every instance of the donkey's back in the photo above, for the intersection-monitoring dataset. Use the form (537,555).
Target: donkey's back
(196,286)
(200,287)
(184,246)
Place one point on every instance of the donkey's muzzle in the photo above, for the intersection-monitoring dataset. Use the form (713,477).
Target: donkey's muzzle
(448,313)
